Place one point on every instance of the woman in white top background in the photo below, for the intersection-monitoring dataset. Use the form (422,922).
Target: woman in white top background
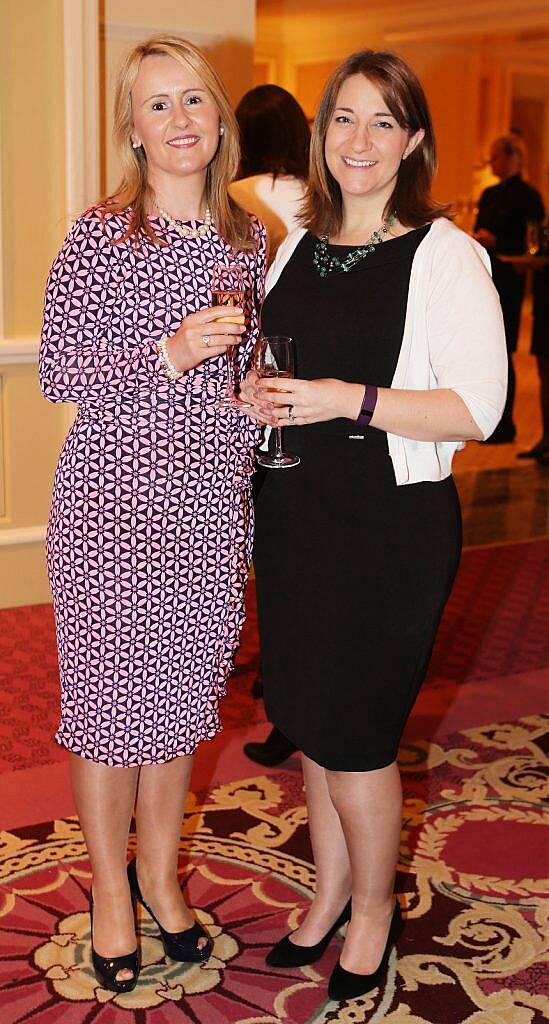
(274,139)
(400,355)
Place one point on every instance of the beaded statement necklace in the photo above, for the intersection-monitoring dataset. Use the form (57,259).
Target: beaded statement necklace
(183,229)
(328,263)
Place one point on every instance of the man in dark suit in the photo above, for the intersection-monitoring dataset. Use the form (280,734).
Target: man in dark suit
(501,226)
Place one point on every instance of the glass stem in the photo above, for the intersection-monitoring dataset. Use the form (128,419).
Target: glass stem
(278,439)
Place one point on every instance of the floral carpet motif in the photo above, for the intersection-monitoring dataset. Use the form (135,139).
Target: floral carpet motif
(470,879)
(472,859)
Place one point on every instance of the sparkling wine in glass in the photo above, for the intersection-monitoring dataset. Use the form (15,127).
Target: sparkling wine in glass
(228,290)
(276,361)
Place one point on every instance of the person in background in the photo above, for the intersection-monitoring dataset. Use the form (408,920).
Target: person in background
(501,226)
(275,140)
(152,493)
(540,349)
(400,353)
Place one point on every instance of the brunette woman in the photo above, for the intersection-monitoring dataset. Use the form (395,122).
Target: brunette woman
(274,139)
(400,360)
(149,536)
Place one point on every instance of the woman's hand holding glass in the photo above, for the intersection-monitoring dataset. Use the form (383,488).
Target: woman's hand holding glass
(301,401)
(205,335)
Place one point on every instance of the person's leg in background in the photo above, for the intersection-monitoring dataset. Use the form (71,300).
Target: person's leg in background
(540,349)
(510,286)
(276,748)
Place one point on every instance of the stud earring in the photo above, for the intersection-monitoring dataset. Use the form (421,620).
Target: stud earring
(136,145)
(221,130)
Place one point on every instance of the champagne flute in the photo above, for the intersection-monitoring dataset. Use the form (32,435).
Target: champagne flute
(228,290)
(276,360)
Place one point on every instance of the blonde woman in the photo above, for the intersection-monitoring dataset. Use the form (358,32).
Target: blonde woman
(149,536)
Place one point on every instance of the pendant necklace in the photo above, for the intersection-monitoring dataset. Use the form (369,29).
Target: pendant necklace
(328,263)
(183,229)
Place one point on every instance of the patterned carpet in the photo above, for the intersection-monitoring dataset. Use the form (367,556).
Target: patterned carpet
(471,865)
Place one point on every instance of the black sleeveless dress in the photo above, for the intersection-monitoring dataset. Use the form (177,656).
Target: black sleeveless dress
(352,571)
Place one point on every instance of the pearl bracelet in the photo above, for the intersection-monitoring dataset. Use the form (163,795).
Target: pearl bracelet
(169,369)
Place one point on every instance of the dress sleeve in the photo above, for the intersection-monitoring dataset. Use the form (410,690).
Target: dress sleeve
(465,330)
(88,350)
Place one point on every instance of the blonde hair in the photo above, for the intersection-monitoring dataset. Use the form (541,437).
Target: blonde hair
(134,190)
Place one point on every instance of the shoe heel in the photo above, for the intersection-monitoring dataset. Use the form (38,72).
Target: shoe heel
(347,985)
(180,946)
(287,954)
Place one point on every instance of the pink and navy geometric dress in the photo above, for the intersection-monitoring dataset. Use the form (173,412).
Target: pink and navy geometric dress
(150,531)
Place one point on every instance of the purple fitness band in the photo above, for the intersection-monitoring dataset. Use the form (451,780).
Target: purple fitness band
(368,405)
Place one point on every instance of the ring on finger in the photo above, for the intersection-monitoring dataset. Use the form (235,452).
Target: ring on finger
(291,412)
(206,340)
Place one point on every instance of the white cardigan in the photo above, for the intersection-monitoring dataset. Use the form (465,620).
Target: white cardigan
(453,338)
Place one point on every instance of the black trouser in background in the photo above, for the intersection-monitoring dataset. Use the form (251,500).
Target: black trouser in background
(276,747)
(540,342)
(510,287)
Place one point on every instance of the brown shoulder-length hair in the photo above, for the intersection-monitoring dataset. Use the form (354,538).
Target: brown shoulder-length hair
(322,211)
(274,134)
(134,192)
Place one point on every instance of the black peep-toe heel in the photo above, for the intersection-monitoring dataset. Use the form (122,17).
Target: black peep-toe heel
(107,967)
(180,946)
(347,985)
(288,954)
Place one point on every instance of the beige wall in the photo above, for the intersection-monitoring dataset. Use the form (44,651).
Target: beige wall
(468,58)
(33,225)
(225,31)
(450,74)
(33,434)
(232,22)
(33,181)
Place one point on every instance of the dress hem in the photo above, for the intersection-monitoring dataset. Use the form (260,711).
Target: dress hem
(377,767)
(110,763)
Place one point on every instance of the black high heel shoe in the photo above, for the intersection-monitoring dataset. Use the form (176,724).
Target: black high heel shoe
(107,967)
(346,985)
(288,954)
(180,946)
(273,751)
